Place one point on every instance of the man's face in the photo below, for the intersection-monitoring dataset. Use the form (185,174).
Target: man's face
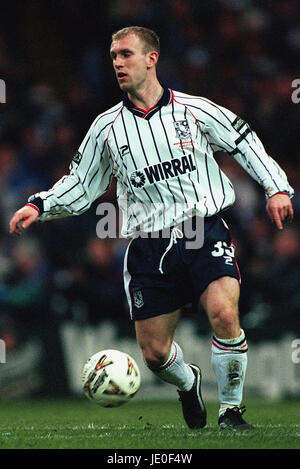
(130,62)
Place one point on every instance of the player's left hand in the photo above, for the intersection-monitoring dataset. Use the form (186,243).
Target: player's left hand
(280,208)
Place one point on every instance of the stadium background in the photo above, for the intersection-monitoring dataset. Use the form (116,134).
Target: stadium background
(61,290)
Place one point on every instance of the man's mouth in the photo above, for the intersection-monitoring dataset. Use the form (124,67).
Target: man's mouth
(121,75)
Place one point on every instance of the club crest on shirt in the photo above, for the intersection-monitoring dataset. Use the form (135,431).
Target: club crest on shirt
(182,129)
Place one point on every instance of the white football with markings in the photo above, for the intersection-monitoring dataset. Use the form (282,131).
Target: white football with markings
(110,378)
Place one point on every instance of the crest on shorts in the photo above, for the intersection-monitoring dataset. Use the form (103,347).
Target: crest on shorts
(182,129)
(138,300)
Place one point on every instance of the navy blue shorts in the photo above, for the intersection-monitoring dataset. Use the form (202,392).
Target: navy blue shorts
(154,287)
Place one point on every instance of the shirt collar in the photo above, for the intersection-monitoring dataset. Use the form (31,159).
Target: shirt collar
(167,98)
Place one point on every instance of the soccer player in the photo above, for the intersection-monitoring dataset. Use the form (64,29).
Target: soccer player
(159,145)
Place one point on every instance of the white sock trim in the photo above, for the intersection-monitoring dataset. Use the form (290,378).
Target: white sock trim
(235,345)
(176,371)
(234,340)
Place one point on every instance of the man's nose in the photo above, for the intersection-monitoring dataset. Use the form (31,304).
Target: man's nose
(118,63)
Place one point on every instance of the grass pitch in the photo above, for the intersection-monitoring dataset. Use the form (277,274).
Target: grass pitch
(78,424)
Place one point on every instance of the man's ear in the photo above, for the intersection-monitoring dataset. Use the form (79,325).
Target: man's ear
(152,59)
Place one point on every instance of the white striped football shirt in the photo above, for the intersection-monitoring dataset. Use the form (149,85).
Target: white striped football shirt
(163,162)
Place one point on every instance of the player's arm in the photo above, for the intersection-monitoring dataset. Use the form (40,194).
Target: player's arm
(231,133)
(89,177)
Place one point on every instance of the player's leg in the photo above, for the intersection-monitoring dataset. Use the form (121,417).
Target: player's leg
(229,346)
(161,353)
(149,291)
(220,301)
(164,357)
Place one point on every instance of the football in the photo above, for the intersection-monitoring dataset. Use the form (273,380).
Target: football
(110,378)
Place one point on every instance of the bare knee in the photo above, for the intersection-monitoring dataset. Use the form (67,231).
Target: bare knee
(225,321)
(155,353)
(155,337)
(220,301)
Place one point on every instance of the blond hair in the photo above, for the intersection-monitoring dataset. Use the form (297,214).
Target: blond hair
(148,36)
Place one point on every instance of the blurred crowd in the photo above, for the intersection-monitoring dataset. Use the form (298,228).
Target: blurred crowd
(54,58)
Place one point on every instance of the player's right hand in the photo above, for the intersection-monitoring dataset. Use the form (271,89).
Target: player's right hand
(23,218)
